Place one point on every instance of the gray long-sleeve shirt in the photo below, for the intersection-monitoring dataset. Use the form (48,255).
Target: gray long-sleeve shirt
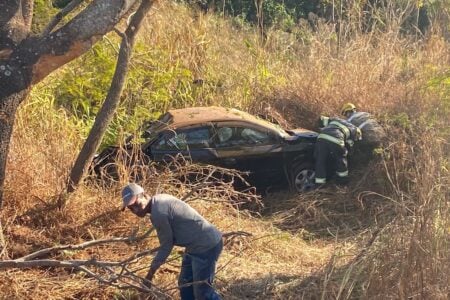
(177,223)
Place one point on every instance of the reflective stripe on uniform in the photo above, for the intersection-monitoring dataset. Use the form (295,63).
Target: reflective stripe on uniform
(343,127)
(321,180)
(342,174)
(332,139)
(324,120)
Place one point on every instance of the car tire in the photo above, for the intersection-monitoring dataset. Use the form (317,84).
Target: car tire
(302,178)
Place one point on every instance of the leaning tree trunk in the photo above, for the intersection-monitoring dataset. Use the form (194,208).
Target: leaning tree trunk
(106,113)
(8,109)
(15,24)
(26,60)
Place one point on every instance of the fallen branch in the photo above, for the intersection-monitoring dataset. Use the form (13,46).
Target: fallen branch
(28,262)
(47,251)
(233,234)
(112,273)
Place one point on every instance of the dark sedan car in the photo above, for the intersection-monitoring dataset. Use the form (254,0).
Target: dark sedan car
(232,139)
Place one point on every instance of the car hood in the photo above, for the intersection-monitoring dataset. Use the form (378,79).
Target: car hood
(301,133)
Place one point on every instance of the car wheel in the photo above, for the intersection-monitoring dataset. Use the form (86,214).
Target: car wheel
(303,178)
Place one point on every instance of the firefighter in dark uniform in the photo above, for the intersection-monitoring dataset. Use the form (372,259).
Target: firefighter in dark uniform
(331,146)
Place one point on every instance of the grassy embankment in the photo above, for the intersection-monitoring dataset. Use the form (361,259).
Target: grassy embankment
(386,236)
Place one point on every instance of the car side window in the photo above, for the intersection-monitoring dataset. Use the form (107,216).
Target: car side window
(184,139)
(240,136)
(256,137)
(224,134)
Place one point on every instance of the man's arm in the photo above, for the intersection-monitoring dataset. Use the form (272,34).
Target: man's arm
(165,236)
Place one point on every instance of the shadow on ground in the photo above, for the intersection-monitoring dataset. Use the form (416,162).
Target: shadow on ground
(323,213)
(329,282)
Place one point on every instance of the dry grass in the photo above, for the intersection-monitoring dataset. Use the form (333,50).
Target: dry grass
(383,237)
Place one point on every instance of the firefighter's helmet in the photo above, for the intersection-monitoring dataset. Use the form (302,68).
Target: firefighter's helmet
(347,107)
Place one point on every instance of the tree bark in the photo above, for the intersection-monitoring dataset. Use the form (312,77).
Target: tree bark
(109,107)
(3,252)
(26,60)
(8,109)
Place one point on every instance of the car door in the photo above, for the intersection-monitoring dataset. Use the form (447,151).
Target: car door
(193,143)
(250,148)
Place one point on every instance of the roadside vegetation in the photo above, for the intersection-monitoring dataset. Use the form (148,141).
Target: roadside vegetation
(385,236)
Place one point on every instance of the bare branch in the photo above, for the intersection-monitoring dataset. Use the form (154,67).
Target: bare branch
(233,234)
(42,252)
(78,36)
(112,273)
(20,264)
(27,13)
(36,57)
(60,15)
(133,281)
(110,267)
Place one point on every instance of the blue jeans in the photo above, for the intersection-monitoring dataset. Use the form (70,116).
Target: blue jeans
(199,267)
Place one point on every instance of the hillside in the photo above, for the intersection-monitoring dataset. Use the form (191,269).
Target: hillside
(385,236)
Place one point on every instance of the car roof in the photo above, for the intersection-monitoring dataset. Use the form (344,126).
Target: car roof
(176,118)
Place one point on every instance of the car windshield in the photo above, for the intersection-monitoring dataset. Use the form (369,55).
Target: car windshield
(279,128)
(274,126)
(263,122)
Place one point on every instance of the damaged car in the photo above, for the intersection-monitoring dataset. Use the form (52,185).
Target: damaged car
(232,139)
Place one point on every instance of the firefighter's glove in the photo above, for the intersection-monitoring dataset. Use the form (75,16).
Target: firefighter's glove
(350,143)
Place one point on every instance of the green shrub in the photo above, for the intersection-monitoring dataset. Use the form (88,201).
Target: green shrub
(153,86)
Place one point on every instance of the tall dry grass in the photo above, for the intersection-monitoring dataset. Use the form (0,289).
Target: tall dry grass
(386,236)
(411,257)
